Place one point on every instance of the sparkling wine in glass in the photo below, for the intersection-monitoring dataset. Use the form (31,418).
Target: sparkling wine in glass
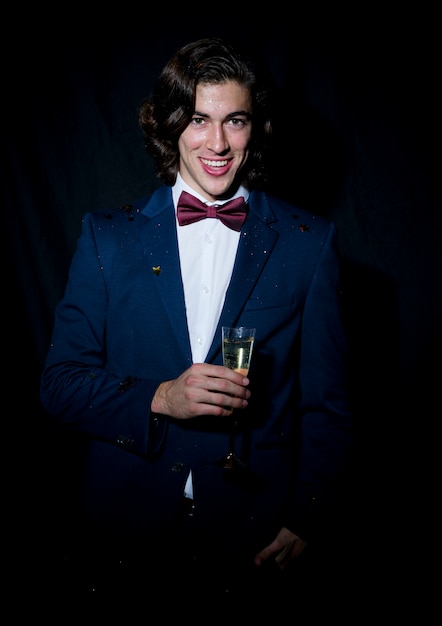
(237,348)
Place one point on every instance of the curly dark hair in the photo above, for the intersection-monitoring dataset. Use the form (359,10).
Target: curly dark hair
(168,111)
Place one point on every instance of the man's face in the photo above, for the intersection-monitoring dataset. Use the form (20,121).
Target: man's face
(214,146)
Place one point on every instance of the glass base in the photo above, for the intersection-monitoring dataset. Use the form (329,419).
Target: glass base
(233,462)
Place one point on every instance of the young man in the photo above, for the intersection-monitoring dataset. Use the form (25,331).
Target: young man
(135,362)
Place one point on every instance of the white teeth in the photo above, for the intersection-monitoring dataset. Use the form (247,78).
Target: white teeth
(214,163)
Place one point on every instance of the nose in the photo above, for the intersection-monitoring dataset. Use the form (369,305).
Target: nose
(217,140)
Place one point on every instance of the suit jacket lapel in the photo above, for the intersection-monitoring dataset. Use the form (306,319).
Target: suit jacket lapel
(256,244)
(160,246)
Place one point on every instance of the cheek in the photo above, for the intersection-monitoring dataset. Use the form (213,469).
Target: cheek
(240,141)
(189,141)
(242,150)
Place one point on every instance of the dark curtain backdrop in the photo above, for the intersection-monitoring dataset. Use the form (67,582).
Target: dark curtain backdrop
(358,140)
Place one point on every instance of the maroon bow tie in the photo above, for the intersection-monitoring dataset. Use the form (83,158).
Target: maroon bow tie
(190,209)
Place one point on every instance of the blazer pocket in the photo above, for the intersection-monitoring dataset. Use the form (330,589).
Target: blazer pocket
(260,304)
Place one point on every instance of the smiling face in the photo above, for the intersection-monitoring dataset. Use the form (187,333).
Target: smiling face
(214,146)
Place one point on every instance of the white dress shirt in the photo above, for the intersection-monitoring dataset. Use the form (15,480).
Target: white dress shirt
(207,254)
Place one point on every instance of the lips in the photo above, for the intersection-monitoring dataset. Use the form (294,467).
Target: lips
(216,167)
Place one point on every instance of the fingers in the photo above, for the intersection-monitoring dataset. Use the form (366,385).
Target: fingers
(284,549)
(218,373)
(203,389)
(217,403)
(216,378)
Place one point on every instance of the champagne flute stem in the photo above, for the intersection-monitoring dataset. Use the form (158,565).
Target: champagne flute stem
(232,437)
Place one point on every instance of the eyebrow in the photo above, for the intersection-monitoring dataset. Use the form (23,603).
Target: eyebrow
(228,116)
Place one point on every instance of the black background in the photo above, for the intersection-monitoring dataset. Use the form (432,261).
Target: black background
(358,140)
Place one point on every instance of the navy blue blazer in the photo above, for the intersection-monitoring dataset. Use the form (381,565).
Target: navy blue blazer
(121,329)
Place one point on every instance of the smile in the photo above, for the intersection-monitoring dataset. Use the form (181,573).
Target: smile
(214,163)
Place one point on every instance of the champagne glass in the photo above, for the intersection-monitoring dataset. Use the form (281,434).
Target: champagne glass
(237,347)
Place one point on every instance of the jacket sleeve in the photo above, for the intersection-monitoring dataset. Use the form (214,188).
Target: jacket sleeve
(327,437)
(77,388)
